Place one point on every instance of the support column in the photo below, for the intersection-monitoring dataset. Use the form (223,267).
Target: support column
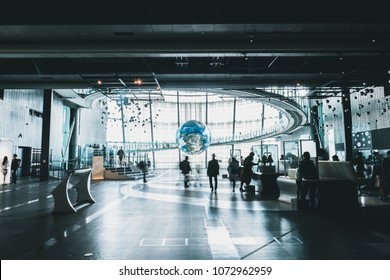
(347,117)
(207,123)
(74,157)
(123,124)
(152,131)
(45,143)
(178,117)
(314,124)
(234,126)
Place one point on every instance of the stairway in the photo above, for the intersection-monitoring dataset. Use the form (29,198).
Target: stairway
(124,173)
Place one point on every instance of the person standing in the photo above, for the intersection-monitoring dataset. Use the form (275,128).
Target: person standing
(14,168)
(185,170)
(104,151)
(213,172)
(308,173)
(233,170)
(111,157)
(359,162)
(385,169)
(4,168)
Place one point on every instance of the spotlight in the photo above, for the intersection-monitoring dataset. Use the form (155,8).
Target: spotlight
(138,82)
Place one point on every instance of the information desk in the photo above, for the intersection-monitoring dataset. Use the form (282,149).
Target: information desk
(269,186)
(337,194)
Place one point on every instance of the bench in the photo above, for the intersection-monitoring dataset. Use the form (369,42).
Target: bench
(79,180)
(287,185)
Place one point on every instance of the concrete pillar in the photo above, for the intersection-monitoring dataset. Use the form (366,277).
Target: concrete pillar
(45,143)
(347,117)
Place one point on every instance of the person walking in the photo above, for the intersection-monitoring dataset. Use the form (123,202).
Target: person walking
(213,172)
(385,185)
(120,154)
(233,170)
(308,172)
(14,168)
(143,166)
(4,169)
(185,170)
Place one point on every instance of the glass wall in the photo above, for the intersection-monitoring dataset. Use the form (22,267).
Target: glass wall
(146,129)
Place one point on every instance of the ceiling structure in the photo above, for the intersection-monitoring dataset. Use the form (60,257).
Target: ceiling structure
(232,45)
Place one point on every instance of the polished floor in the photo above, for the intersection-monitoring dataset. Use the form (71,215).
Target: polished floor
(162,220)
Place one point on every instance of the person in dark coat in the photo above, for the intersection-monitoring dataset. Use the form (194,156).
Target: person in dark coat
(14,168)
(185,170)
(213,172)
(121,155)
(359,162)
(233,170)
(143,166)
(309,176)
(246,174)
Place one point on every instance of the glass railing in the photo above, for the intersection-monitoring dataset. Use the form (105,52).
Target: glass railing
(258,134)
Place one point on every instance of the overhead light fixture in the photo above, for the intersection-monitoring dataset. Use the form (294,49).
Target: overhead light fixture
(138,82)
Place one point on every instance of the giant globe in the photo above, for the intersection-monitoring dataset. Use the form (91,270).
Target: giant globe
(193,137)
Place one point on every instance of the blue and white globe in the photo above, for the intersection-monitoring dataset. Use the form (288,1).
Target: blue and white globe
(193,137)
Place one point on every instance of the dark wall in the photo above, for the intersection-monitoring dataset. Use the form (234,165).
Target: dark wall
(380,138)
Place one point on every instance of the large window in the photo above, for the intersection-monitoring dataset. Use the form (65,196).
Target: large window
(147,128)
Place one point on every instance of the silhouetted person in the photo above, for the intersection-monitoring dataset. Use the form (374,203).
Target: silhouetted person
(120,154)
(185,170)
(213,172)
(359,162)
(143,166)
(233,170)
(14,168)
(335,158)
(111,157)
(4,168)
(104,151)
(270,160)
(246,175)
(308,172)
(385,169)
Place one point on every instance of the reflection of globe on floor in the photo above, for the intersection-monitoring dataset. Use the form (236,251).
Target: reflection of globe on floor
(193,137)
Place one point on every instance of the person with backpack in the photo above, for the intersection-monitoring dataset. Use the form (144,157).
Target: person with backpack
(14,168)
(233,171)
